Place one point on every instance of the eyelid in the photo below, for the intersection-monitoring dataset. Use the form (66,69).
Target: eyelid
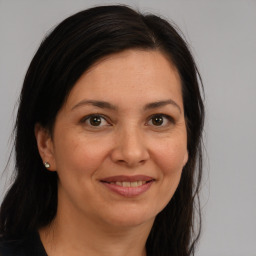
(87,117)
(168,117)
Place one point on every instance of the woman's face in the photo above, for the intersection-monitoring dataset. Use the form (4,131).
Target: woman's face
(119,142)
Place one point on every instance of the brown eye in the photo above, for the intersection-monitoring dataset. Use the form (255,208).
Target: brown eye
(157,120)
(95,120)
(160,120)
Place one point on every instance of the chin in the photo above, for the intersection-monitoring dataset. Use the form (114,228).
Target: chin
(129,218)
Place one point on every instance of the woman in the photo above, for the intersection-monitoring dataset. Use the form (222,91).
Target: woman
(108,138)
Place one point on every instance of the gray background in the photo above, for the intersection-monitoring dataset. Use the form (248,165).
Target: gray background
(222,35)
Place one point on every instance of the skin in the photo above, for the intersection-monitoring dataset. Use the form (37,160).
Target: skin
(128,141)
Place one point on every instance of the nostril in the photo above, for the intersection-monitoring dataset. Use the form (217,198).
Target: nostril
(121,161)
(130,153)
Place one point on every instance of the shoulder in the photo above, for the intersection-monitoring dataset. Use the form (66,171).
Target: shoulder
(25,246)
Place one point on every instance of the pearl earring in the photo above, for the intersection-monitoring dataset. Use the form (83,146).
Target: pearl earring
(47,165)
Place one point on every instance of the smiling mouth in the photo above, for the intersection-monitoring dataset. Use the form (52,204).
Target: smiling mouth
(128,186)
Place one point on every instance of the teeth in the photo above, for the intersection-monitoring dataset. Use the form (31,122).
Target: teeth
(140,183)
(129,184)
(134,184)
(126,184)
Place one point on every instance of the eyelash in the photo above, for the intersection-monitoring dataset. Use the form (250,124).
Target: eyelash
(164,116)
(102,117)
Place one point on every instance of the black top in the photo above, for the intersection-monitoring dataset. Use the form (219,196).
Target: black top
(30,245)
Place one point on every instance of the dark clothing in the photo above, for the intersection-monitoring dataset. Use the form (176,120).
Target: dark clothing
(31,245)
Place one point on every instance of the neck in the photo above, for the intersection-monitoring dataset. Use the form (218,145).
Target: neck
(82,236)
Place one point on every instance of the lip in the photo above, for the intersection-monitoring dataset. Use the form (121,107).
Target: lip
(122,178)
(128,191)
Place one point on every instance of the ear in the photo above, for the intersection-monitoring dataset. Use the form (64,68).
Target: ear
(45,146)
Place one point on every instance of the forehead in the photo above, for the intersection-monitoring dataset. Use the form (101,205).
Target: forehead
(133,75)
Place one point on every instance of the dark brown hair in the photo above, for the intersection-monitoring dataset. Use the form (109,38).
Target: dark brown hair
(64,55)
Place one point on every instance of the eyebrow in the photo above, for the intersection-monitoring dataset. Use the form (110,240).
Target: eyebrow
(107,105)
(96,103)
(162,104)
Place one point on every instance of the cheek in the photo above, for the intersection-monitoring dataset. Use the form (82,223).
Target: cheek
(171,157)
(81,156)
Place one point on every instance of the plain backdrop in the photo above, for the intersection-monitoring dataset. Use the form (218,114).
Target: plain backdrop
(222,36)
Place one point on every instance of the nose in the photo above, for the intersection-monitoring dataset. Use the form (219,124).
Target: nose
(130,148)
